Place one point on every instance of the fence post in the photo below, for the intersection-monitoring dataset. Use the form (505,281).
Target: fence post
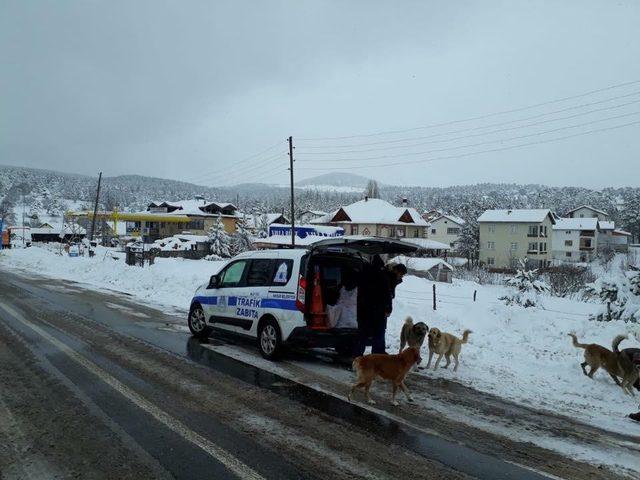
(434,296)
(475,292)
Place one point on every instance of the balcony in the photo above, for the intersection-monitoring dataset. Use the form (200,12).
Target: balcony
(586,249)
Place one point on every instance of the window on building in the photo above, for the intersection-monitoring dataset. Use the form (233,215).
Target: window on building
(543,231)
(514,246)
(568,232)
(491,228)
(491,245)
(568,254)
(543,247)
(533,231)
(433,231)
(453,231)
(491,261)
(513,228)
(533,247)
(416,233)
(568,243)
(354,229)
(195,225)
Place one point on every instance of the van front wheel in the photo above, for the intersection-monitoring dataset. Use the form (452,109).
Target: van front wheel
(270,339)
(197,322)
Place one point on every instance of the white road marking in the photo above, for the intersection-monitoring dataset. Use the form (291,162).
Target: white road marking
(229,461)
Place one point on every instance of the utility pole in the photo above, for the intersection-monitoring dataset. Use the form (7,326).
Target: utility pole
(23,227)
(95,208)
(293,221)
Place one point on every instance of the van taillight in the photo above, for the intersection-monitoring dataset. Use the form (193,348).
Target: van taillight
(302,294)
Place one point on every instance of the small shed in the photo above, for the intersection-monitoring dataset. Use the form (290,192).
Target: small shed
(435,269)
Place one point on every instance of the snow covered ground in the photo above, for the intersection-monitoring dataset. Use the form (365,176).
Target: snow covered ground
(169,282)
(521,354)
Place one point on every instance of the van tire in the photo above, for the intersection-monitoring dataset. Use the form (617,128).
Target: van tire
(197,322)
(269,339)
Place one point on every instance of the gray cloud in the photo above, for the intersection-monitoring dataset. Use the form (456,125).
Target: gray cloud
(183,89)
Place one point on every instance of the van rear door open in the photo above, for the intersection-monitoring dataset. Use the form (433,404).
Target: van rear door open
(333,257)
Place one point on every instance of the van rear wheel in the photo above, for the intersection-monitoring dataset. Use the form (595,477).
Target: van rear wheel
(269,339)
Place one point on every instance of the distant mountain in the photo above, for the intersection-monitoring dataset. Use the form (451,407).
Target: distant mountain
(336,180)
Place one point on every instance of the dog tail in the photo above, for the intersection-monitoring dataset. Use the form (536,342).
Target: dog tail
(408,320)
(616,342)
(465,336)
(576,343)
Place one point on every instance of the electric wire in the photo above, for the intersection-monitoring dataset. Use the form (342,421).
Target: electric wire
(478,117)
(468,154)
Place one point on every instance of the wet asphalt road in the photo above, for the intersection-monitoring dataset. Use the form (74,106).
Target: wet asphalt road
(96,386)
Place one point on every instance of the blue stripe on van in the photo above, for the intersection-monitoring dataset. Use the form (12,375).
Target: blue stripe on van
(205,300)
(278,303)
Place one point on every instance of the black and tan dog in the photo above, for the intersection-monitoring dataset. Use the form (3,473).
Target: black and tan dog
(413,335)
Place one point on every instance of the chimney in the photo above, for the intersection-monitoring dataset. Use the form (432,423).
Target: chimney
(405,202)
(200,197)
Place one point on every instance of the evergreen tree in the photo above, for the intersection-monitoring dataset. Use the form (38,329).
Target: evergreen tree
(241,240)
(219,240)
(372,190)
(527,285)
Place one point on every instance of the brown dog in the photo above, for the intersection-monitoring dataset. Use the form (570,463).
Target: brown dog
(447,345)
(614,362)
(388,367)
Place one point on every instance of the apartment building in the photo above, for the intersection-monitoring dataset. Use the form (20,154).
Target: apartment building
(575,239)
(446,228)
(507,236)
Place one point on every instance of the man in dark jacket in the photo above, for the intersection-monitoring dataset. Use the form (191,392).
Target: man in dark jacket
(374,306)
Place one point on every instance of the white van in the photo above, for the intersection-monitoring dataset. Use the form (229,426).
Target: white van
(266,295)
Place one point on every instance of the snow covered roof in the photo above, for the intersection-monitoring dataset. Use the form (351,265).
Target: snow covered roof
(576,224)
(319,213)
(607,225)
(518,215)
(588,207)
(623,233)
(453,218)
(422,264)
(191,207)
(374,211)
(427,244)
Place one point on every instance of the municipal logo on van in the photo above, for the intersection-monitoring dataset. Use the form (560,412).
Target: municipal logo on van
(222,301)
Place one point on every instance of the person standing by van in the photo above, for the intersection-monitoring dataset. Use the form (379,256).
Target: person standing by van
(374,303)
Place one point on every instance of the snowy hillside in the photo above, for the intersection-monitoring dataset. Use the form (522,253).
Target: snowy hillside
(46,191)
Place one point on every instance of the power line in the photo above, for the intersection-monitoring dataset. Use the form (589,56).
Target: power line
(488,142)
(237,173)
(491,132)
(468,154)
(478,117)
(242,161)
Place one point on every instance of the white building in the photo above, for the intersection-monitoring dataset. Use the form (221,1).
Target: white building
(611,237)
(575,239)
(587,211)
(376,217)
(446,228)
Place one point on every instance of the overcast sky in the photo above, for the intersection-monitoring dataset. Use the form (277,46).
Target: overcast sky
(187,89)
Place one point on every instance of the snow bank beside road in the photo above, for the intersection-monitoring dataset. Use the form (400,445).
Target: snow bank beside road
(169,282)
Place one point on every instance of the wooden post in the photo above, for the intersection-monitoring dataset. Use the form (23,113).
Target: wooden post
(475,292)
(434,296)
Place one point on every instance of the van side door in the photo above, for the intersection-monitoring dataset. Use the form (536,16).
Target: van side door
(250,298)
(231,281)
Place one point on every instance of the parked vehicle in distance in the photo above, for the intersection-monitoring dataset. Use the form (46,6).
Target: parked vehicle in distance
(272,295)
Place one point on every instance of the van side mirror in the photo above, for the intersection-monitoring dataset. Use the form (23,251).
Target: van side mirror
(213,281)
